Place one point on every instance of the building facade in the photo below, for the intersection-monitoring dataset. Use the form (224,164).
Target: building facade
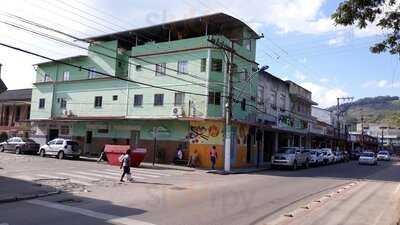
(15,113)
(167,89)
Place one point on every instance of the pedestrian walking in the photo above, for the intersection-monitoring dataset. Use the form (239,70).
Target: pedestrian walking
(125,164)
(213,157)
(102,155)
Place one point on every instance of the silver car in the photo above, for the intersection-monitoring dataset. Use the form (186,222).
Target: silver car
(367,158)
(383,155)
(60,148)
(291,157)
(19,145)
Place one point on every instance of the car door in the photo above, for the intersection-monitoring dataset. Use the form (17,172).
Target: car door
(12,144)
(52,146)
(58,145)
(7,144)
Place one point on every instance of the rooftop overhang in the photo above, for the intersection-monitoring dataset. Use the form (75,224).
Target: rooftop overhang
(301,98)
(213,24)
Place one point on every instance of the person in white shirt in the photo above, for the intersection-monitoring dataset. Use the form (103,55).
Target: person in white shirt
(126,164)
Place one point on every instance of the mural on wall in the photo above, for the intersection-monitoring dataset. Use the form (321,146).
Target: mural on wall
(205,133)
(290,122)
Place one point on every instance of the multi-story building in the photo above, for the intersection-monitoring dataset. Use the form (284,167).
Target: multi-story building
(15,112)
(388,135)
(285,113)
(167,81)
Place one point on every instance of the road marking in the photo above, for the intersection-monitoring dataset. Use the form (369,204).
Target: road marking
(152,172)
(117,174)
(98,175)
(133,172)
(65,178)
(397,189)
(79,176)
(4,224)
(86,212)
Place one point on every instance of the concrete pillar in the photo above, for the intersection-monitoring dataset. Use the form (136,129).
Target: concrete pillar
(276,143)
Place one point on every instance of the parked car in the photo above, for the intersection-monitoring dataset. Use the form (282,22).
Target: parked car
(19,145)
(383,155)
(354,155)
(316,157)
(291,157)
(368,158)
(338,157)
(60,148)
(329,157)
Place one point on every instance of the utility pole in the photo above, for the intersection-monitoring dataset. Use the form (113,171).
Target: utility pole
(382,136)
(362,131)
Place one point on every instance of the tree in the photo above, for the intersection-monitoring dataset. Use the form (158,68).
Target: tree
(384,13)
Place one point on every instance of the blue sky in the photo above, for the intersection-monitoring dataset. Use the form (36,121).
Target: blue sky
(300,44)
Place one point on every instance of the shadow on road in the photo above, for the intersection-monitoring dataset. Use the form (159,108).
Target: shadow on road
(23,212)
(349,170)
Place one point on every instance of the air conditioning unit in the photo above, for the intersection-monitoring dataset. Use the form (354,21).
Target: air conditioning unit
(177,111)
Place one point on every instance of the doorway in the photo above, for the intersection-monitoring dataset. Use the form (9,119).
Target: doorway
(88,142)
(269,144)
(53,134)
(135,137)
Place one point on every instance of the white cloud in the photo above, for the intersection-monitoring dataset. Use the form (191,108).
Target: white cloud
(380,84)
(324,80)
(323,95)
(300,76)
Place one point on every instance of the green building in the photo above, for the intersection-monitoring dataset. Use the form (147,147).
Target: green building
(168,80)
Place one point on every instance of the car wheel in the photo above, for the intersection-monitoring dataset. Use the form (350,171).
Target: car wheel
(294,165)
(1,148)
(18,151)
(60,155)
(42,153)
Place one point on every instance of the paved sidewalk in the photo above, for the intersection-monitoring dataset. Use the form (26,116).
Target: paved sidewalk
(241,170)
(12,190)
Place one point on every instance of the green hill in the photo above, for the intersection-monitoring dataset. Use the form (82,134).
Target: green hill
(381,109)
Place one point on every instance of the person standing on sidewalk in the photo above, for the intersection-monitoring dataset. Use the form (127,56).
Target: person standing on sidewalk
(213,157)
(126,163)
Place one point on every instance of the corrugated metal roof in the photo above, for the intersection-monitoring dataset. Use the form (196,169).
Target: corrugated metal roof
(16,95)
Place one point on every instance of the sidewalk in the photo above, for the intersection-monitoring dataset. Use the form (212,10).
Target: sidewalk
(12,190)
(241,170)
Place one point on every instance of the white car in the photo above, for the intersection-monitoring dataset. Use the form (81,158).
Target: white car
(367,158)
(383,155)
(338,157)
(316,157)
(293,157)
(329,157)
(60,148)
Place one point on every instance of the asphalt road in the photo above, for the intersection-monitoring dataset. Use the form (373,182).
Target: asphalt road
(181,197)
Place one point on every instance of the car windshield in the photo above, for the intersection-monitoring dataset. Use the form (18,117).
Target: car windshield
(367,154)
(382,153)
(286,150)
(28,140)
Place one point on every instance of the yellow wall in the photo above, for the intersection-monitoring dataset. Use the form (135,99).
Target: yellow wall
(210,133)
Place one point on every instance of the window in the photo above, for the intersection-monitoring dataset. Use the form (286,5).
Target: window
(66,75)
(245,74)
(92,73)
(18,114)
(64,130)
(159,99)
(138,100)
(216,65)
(98,102)
(247,44)
(282,101)
(115,98)
(260,95)
(59,142)
(63,103)
(102,131)
(243,104)
(161,69)
(41,103)
(214,98)
(138,67)
(119,64)
(183,67)
(46,77)
(179,99)
(203,66)
(272,99)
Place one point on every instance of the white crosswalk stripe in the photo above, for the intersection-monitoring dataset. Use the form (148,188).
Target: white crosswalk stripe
(134,172)
(78,176)
(118,174)
(98,175)
(61,178)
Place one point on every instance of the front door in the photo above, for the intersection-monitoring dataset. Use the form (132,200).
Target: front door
(53,134)
(88,142)
(135,137)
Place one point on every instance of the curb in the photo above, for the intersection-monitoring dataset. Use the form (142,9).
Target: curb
(27,197)
(221,172)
